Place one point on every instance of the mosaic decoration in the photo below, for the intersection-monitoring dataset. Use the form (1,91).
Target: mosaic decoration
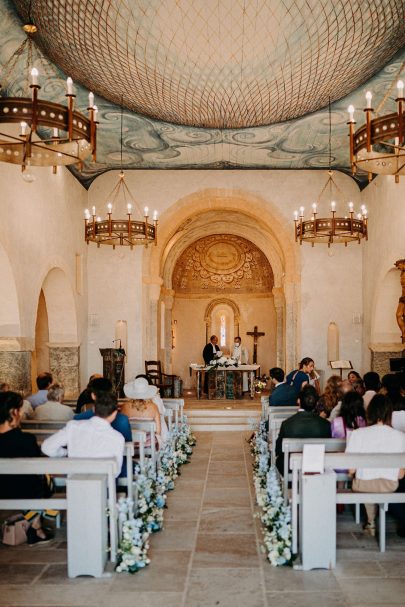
(150,143)
(225,264)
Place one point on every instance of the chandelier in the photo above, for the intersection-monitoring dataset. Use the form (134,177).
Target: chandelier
(49,134)
(378,146)
(335,228)
(123,232)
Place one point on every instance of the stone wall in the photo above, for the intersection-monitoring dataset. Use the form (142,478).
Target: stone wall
(15,369)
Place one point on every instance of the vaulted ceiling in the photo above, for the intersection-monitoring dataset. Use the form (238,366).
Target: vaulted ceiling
(208,84)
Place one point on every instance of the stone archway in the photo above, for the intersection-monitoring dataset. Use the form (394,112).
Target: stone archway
(56,295)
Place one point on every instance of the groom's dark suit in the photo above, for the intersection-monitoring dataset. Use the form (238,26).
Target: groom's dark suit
(208,355)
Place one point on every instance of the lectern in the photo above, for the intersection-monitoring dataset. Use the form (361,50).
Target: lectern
(114,368)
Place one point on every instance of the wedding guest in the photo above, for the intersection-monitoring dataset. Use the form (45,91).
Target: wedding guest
(54,409)
(86,397)
(44,380)
(90,438)
(282,394)
(353,376)
(372,385)
(391,386)
(210,352)
(302,376)
(15,443)
(345,387)
(352,416)
(330,397)
(141,406)
(304,424)
(26,411)
(377,437)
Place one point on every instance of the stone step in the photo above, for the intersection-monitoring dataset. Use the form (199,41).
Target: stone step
(221,420)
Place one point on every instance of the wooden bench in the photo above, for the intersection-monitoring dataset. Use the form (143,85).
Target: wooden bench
(347,461)
(72,467)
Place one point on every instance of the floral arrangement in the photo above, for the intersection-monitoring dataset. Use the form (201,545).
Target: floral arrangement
(275,516)
(137,523)
(223,361)
(260,383)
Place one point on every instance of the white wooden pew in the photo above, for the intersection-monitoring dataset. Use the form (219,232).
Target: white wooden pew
(149,428)
(347,461)
(88,467)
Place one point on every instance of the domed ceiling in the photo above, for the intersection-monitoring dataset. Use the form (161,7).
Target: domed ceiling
(209,84)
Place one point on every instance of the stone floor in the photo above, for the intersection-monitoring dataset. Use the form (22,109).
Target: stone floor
(209,554)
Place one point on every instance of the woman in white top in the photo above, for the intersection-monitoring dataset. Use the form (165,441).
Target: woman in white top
(377,437)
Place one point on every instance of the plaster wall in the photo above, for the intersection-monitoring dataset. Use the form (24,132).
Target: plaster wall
(331,290)
(41,228)
(381,281)
(190,337)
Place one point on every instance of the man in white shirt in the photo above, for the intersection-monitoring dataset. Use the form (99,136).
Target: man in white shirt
(241,354)
(92,437)
(53,409)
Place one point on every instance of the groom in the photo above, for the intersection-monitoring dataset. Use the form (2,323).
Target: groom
(210,352)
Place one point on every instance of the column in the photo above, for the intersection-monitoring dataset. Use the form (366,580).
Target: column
(279,304)
(168,299)
(150,320)
(15,363)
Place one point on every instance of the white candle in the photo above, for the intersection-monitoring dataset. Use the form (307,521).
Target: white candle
(93,210)
(351,207)
(109,207)
(314,207)
(369,97)
(23,128)
(155,215)
(69,86)
(358,215)
(91,100)
(400,87)
(296,215)
(129,208)
(99,218)
(350,109)
(86,214)
(95,112)
(146,211)
(34,76)
(333,205)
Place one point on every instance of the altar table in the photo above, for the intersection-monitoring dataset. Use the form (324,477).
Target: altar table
(225,382)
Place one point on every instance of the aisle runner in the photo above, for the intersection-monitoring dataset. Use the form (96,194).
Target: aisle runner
(276,517)
(138,520)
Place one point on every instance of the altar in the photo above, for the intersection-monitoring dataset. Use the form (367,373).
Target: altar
(225,382)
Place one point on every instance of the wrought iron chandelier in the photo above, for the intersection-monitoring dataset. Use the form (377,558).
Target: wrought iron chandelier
(378,146)
(49,134)
(123,232)
(333,229)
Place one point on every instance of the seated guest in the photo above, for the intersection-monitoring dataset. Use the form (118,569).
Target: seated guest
(351,416)
(304,424)
(160,405)
(141,406)
(330,397)
(301,376)
(86,397)
(26,411)
(53,409)
(353,376)
(90,438)
(15,443)
(377,437)
(372,385)
(391,387)
(282,393)
(358,386)
(345,387)
(44,380)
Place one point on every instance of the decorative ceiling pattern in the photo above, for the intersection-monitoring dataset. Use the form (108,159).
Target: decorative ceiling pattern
(148,143)
(224,264)
(229,64)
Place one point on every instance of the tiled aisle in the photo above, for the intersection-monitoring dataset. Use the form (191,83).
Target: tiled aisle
(209,554)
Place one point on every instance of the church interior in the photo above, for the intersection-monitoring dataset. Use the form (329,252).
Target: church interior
(222,130)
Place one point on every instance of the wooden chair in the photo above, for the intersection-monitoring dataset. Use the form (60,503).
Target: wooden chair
(165,383)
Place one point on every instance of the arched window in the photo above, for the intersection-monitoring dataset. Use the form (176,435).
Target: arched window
(222,341)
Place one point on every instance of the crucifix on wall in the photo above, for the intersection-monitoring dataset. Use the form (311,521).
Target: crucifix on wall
(255,334)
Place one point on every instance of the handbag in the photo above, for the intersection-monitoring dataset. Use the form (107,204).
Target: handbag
(15,530)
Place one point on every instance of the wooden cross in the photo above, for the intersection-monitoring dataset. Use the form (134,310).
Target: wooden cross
(255,334)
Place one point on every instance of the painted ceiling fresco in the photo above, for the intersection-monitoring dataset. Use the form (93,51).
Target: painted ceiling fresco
(207,84)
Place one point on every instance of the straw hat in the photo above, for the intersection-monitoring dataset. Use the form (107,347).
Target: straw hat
(139,389)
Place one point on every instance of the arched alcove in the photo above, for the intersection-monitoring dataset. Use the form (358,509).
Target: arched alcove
(9,306)
(42,336)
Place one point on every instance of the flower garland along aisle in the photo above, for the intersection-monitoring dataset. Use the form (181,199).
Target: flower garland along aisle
(275,516)
(137,522)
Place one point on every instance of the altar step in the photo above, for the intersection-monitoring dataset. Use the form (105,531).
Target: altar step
(222,420)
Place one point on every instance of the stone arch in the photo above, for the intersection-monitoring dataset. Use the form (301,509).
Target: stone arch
(210,308)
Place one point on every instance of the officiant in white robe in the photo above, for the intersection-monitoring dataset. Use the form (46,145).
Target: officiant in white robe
(241,354)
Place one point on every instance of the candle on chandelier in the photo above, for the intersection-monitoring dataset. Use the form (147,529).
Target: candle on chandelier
(155,215)
(34,76)
(93,210)
(295,215)
(400,88)
(86,214)
(91,100)
(302,211)
(146,211)
(351,207)
(95,112)
(109,207)
(99,218)
(69,86)
(23,128)
(350,109)
(369,97)
(333,206)
(129,208)
(314,207)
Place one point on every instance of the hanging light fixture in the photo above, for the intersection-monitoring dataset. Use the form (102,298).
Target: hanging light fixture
(131,231)
(333,229)
(49,134)
(378,146)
